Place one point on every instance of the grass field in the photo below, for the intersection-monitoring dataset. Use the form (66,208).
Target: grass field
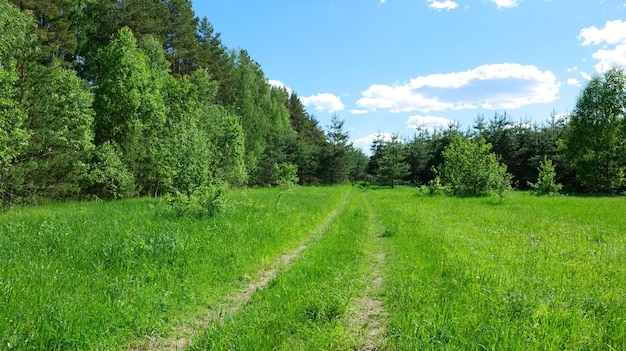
(327,269)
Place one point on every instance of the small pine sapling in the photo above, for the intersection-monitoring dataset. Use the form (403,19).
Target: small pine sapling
(546,181)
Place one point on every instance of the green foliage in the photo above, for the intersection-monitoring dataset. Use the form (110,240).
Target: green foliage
(56,28)
(546,182)
(130,110)
(261,109)
(594,137)
(286,175)
(471,169)
(334,155)
(14,32)
(106,176)
(435,187)
(202,202)
(59,121)
(392,167)
(181,27)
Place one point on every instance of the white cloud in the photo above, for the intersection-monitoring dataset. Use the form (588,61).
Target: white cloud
(562,117)
(498,86)
(279,84)
(359,112)
(608,58)
(323,102)
(585,75)
(505,3)
(613,34)
(442,5)
(366,142)
(429,123)
(573,81)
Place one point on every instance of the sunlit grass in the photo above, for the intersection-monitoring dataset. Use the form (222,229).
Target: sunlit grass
(305,308)
(531,273)
(98,275)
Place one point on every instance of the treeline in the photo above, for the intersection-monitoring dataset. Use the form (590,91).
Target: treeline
(586,149)
(113,99)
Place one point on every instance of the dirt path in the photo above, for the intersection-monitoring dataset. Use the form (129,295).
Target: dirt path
(368,316)
(182,335)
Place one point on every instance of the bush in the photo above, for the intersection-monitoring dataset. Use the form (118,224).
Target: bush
(106,175)
(204,202)
(286,175)
(435,187)
(471,169)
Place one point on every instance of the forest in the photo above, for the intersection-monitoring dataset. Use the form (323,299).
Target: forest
(116,99)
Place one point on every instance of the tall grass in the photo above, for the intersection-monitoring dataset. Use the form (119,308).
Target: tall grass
(305,308)
(530,274)
(99,275)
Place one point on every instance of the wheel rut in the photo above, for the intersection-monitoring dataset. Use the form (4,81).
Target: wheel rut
(183,334)
(368,316)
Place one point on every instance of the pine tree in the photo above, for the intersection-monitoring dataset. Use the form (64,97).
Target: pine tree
(392,166)
(181,43)
(546,181)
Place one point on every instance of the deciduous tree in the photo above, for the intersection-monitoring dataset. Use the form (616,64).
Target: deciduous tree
(595,137)
(471,169)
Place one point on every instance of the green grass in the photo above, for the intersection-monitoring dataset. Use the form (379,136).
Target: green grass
(306,307)
(532,273)
(101,275)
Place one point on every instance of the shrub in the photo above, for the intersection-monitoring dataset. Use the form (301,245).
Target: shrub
(471,169)
(203,202)
(106,175)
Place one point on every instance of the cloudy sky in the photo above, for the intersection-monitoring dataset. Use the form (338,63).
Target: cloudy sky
(386,66)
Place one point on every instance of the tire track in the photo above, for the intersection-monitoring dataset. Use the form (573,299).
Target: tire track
(183,334)
(368,315)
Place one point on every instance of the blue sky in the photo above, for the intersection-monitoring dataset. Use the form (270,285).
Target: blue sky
(385,66)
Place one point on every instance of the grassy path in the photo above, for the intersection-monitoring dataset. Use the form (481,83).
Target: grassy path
(102,275)
(317,303)
(331,268)
(367,315)
(182,334)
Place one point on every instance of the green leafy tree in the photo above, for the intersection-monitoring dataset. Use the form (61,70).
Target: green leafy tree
(206,141)
(392,166)
(15,29)
(304,145)
(471,169)
(546,181)
(106,175)
(595,137)
(213,56)
(418,156)
(261,110)
(130,110)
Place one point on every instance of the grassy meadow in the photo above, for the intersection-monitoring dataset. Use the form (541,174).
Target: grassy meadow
(540,273)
